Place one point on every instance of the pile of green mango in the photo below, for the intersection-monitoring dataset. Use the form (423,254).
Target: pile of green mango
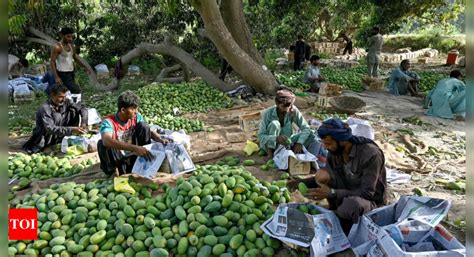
(159,100)
(349,78)
(39,167)
(429,79)
(217,211)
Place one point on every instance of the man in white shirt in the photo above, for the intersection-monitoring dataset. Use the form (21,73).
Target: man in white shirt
(373,54)
(312,75)
(63,56)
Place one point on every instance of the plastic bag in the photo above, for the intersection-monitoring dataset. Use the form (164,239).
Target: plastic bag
(133,70)
(75,98)
(250,147)
(121,185)
(22,90)
(74,151)
(102,71)
(74,145)
(93,116)
(101,68)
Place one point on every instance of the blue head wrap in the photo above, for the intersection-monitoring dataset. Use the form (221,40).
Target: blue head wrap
(335,128)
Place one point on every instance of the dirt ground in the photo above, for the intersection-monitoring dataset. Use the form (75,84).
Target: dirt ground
(407,143)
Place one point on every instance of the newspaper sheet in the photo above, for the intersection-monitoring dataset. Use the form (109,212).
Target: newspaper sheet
(405,228)
(179,159)
(281,157)
(321,232)
(148,169)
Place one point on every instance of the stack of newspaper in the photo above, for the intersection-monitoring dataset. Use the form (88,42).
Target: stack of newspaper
(320,231)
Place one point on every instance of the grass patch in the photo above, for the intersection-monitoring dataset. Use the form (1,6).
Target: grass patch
(425,40)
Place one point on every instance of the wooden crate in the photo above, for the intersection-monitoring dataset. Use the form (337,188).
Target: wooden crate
(423,60)
(291,56)
(250,122)
(377,85)
(328,89)
(323,101)
(296,167)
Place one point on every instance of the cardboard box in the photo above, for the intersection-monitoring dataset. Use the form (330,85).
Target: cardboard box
(250,122)
(296,167)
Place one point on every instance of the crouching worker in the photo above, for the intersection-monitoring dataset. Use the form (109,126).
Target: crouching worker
(56,118)
(354,181)
(276,126)
(403,81)
(448,98)
(123,136)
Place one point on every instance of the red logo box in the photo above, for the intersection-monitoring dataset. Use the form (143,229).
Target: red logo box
(23,224)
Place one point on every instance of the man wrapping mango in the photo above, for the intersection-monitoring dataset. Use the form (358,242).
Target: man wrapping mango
(276,127)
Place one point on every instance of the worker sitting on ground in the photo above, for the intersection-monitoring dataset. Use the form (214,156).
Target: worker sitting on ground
(448,98)
(16,66)
(276,126)
(354,181)
(312,76)
(56,118)
(123,136)
(403,81)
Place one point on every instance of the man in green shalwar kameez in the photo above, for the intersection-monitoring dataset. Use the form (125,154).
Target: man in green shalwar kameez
(276,127)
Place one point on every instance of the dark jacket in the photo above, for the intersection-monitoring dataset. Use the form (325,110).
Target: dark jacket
(53,123)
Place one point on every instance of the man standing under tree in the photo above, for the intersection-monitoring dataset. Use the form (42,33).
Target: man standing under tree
(300,53)
(225,68)
(373,54)
(348,48)
(62,61)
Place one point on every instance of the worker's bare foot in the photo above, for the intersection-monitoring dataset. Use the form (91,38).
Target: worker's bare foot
(460,118)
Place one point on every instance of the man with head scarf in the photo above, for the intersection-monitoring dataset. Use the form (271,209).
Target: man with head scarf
(276,126)
(354,181)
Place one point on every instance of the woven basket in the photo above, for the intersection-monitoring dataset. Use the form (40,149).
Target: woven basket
(347,104)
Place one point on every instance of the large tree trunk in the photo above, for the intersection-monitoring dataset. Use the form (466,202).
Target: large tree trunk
(252,73)
(234,19)
(168,48)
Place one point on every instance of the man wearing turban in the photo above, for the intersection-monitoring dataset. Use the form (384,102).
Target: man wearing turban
(354,181)
(276,126)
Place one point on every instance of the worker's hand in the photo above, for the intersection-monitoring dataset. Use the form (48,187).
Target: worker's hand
(58,80)
(143,152)
(298,148)
(79,130)
(163,141)
(282,140)
(322,192)
(321,78)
